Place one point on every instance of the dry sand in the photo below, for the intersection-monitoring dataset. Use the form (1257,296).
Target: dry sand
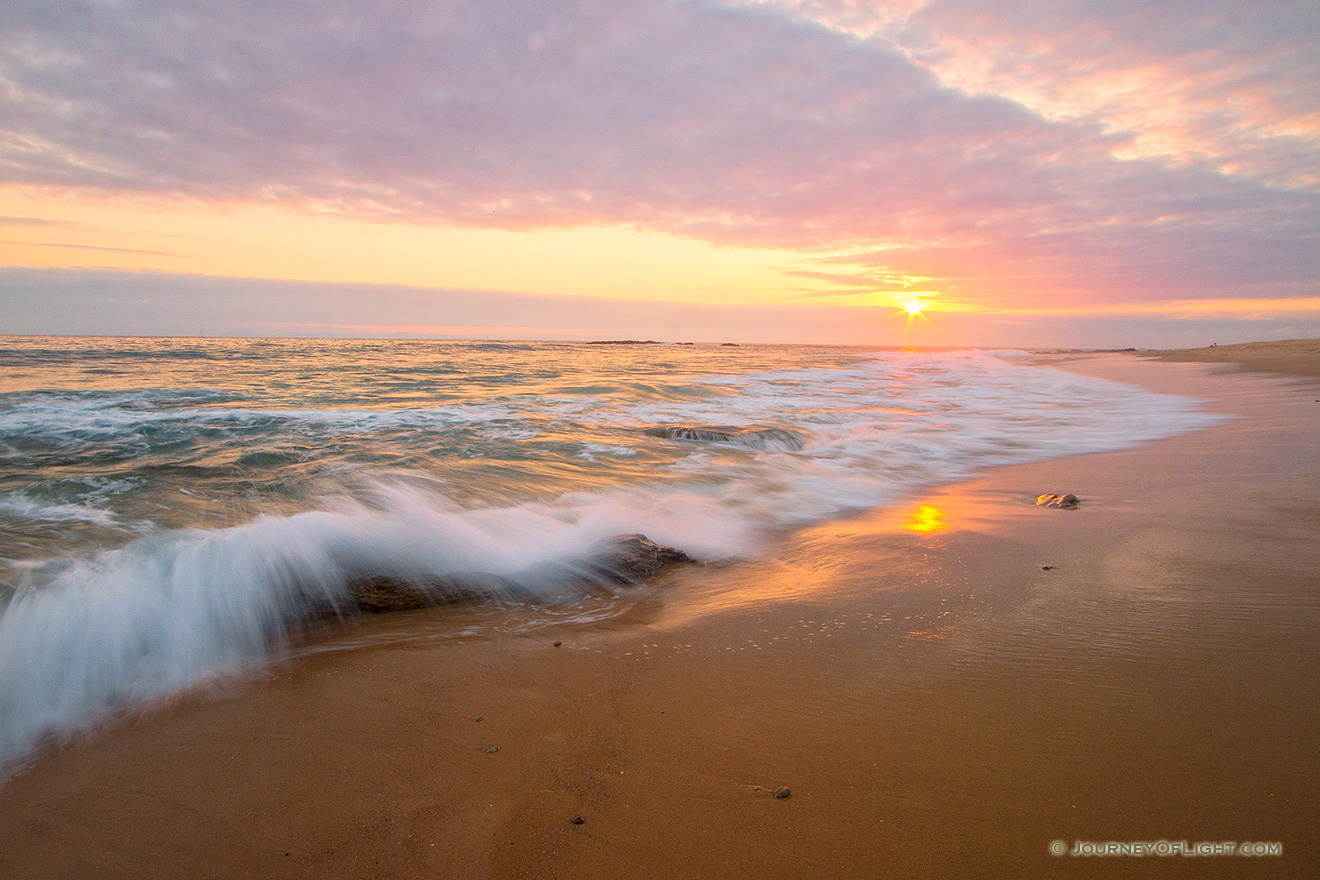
(1299,357)
(939,703)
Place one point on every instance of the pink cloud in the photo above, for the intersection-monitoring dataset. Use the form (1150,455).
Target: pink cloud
(1235,87)
(742,125)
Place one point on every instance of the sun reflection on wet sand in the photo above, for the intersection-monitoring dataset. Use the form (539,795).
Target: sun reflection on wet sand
(927,518)
(886,551)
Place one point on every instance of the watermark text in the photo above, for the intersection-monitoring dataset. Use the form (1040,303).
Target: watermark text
(1164,848)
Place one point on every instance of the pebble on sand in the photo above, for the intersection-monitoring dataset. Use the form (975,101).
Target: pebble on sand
(782,793)
(1066,502)
(492,750)
(578,820)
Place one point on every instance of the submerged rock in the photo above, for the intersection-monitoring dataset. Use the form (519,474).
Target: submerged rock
(377,594)
(621,560)
(767,439)
(1065,502)
(631,559)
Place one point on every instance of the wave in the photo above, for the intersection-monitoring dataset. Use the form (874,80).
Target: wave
(167,612)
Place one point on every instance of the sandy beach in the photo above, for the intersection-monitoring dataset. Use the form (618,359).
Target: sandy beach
(946,688)
(1298,357)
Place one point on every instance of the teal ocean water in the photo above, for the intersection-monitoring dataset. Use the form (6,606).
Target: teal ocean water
(170,508)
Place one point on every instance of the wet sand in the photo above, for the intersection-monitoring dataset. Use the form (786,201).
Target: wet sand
(938,701)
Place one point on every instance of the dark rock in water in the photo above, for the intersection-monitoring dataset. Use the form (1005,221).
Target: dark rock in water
(378,594)
(767,439)
(782,793)
(1065,502)
(715,435)
(624,559)
(631,559)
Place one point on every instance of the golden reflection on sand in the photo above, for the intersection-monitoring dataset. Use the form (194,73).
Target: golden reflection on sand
(880,550)
(927,518)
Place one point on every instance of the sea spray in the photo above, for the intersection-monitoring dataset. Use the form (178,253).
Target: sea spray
(161,613)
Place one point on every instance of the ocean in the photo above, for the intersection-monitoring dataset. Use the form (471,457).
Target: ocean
(171,508)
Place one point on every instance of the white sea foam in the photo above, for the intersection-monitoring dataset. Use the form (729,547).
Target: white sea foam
(20,506)
(83,501)
(589,451)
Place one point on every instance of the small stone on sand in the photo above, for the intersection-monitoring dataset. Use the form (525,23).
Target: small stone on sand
(480,718)
(1047,568)
(492,750)
(782,793)
(578,820)
(557,644)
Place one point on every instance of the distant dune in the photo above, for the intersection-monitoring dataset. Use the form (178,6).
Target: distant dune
(1300,357)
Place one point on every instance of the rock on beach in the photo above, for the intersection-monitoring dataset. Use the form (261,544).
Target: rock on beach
(621,560)
(1064,502)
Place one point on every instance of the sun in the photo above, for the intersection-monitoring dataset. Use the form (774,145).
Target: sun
(912,307)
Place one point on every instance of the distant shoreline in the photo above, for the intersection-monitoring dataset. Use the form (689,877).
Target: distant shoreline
(1298,357)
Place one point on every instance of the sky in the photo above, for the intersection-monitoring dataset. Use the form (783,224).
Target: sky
(1033,174)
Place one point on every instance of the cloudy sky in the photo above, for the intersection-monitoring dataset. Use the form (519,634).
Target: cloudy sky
(1072,172)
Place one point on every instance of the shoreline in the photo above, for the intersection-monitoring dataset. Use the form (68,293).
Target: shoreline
(938,702)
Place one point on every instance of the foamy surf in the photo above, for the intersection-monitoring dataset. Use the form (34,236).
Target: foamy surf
(256,507)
